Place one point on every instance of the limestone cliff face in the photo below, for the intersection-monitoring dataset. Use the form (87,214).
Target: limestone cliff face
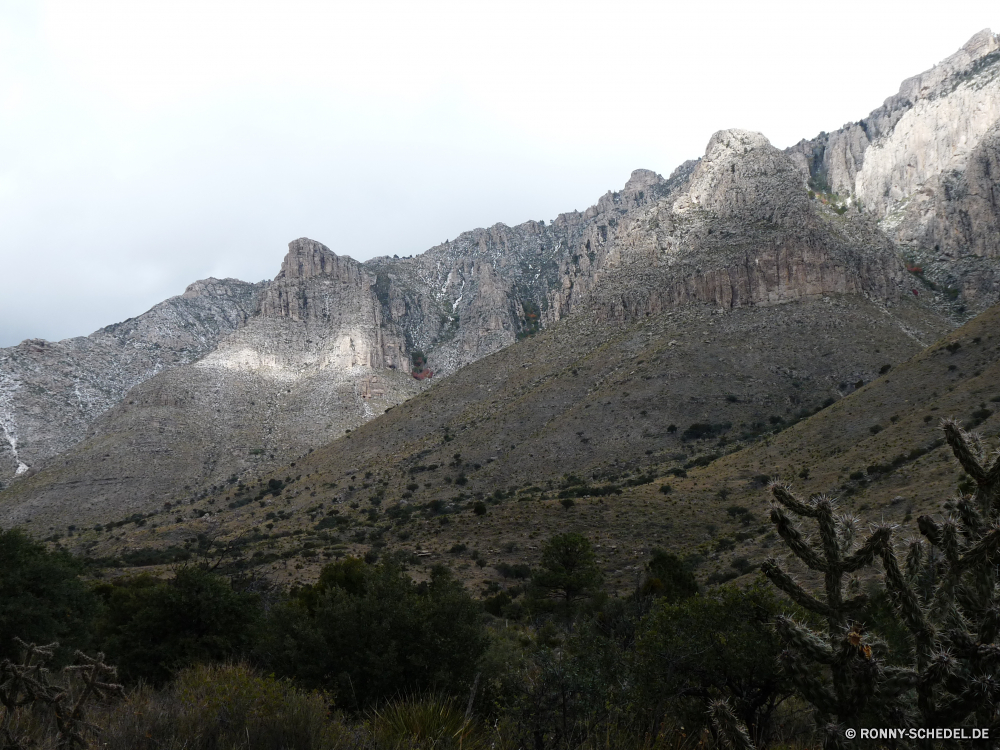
(739,230)
(321,311)
(969,221)
(922,165)
(838,158)
(474,295)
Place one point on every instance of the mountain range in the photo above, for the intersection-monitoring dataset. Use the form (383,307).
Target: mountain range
(677,329)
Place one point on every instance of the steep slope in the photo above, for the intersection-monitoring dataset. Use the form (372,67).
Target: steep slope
(50,393)
(924,164)
(583,406)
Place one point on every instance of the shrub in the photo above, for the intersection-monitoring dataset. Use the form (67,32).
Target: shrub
(41,596)
(721,644)
(703,431)
(668,577)
(153,627)
(568,569)
(368,632)
(517,570)
(212,707)
(426,723)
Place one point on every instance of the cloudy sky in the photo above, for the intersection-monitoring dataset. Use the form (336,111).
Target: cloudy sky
(144,145)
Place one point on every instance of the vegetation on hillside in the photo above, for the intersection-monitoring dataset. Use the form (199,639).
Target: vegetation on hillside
(368,657)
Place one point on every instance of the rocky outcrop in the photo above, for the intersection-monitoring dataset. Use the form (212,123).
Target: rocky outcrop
(740,230)
(321,311)
(921,164)
(743,177)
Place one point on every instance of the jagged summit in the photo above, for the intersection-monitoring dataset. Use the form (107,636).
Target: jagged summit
(922,165)
(928,84)
(641,180)
(307,258)
(743,175)
(213,287)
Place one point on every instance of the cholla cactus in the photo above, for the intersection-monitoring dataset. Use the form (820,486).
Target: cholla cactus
(949,599)
(30,683)
(946,593)
(852,674)
(731,731)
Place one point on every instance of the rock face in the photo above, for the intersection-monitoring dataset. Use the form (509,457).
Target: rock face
(739,230)
(924,165)
(232,379)
(319,312)
(50,393)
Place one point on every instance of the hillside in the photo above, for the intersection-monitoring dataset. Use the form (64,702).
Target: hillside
(530,434)
(665,331)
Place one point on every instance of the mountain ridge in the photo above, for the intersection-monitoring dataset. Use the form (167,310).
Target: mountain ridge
(263,373)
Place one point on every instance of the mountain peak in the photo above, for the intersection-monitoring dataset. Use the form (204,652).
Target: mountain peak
(981,44)
(641,179)
(307,258)
(743,175)
(724,143)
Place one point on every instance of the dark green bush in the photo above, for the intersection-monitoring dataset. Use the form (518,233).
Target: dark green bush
(368,632)
(568,570)
(41,597)
(668,577)
(718,645)
(152,627)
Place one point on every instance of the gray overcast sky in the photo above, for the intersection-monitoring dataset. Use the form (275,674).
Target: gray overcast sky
(144,145)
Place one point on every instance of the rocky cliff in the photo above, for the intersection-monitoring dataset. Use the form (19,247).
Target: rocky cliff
(739,230)
(923,165)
